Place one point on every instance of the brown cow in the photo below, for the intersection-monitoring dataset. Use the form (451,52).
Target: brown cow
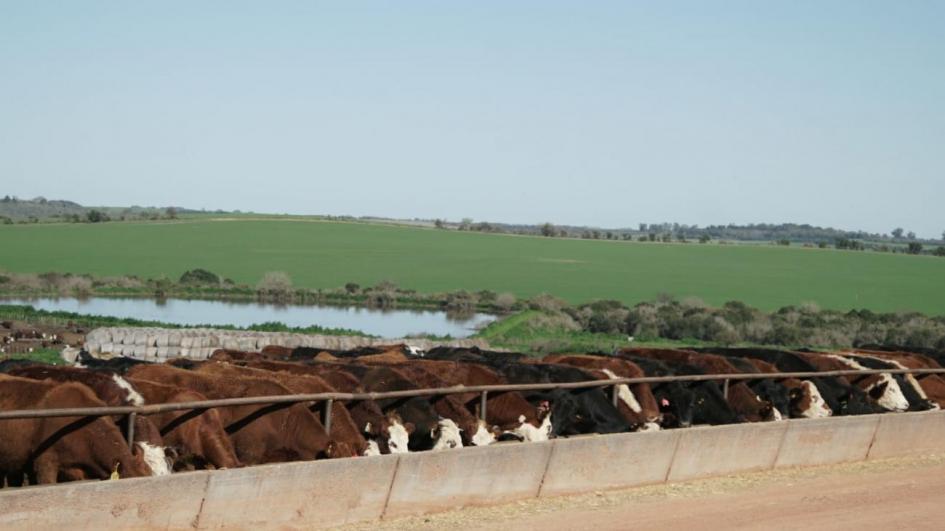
(199,436)
(741,398)
(636,402)
(365,413)
(472,430)
(260,434)
(343,432)
(509,412)
(114,391)
(60,448)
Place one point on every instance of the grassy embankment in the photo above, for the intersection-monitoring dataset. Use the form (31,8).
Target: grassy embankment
(330,254)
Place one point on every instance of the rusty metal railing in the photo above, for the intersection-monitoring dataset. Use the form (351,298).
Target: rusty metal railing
(482,390)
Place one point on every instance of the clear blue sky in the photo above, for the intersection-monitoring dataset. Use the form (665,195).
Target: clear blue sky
(609,114)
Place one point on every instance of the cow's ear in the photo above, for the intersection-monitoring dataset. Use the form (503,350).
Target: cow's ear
(878,391)
(410,427)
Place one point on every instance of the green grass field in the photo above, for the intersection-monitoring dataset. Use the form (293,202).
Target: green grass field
(322,254)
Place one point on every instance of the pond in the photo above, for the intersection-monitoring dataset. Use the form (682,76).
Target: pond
(383,323)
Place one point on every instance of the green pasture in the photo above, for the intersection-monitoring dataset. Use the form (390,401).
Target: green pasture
(329,254)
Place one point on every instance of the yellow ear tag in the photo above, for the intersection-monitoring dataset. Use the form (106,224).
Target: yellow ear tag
(115,473)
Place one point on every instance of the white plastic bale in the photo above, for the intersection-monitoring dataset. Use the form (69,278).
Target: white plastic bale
(162,340)
(151,353)
(174,339)
(107,348)
(139,352)
(246,343)
(173,352)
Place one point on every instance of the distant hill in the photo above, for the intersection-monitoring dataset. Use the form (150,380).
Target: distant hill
(40,209)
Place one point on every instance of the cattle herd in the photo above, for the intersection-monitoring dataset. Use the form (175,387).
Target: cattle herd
(56,449)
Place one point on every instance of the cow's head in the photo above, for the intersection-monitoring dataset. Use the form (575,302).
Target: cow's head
(807,402)
(446,435)
(398,434)
(676,405)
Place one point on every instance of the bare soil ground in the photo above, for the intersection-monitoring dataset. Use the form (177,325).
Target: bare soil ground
(904,493)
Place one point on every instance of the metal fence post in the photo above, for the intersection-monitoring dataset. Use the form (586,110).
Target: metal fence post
(482,405)
(327,422)
(725,388)
(615,395)
(130,432)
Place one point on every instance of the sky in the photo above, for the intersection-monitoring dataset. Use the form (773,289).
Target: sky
(586,113)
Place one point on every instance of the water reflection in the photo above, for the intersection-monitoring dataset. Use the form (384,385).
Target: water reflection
(380,322)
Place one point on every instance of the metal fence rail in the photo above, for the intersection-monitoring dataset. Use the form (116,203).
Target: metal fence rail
(482,390)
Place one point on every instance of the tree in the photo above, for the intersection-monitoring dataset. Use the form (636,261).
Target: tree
(465,224)
(94,216)
(170,212)
(439,224)
(914,248)
(548,230)
(897,232)
(940,251)
(704,238)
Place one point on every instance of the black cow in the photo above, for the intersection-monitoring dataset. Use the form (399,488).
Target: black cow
(573,411)
(709,405)
(766,388)
(118,365)
(676,400)
(472,355)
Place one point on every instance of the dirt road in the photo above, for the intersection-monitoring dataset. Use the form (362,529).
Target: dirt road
(896,493)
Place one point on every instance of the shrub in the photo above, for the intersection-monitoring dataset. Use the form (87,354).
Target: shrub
(275,284)
(546,302)
(200,276)
(95,216)
(352,288)
(461,300)
(505,301)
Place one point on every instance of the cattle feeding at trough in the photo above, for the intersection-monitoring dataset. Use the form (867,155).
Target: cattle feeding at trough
(388,400)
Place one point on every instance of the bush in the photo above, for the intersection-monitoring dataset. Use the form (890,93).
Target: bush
(505,301)
(200,276)
(546,303)
(352,288)
(276,284)
(95,216)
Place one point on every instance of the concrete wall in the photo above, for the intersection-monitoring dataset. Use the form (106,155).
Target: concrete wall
(330,493)
(161,344)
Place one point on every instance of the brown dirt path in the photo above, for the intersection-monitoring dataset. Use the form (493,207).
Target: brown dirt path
(906,493)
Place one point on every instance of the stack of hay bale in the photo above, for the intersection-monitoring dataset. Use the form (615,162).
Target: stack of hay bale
(161,344)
